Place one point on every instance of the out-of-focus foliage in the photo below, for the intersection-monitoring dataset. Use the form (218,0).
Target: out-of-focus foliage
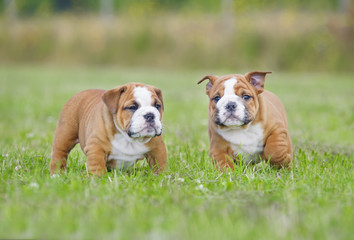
(40,7)
(287,35)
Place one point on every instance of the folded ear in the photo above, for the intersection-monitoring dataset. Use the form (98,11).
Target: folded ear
(257,79)
(212,79)
(159,95)
(111,98)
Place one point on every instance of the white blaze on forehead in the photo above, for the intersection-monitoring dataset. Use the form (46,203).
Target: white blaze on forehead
(229,86)
(143,96)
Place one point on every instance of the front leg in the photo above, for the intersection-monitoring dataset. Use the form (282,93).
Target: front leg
(96,160)
(157,158)
(277,148)
(222,158)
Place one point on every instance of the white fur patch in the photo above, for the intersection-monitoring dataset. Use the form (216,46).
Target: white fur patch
(249,141)
(126,152)
(230,96)
(142,96)
(229,86)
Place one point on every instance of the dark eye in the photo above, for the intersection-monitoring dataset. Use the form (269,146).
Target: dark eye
(132,108)
(246,97)
(158,106)
(216,99)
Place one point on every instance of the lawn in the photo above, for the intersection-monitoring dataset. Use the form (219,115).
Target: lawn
(312,200)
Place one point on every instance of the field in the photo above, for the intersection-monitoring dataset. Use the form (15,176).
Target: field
(312,200)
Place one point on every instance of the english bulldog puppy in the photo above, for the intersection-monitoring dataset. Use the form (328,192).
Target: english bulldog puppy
(246,120)
(115,128)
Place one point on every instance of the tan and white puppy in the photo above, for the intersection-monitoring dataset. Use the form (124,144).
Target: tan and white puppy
(245,119)
(115,128)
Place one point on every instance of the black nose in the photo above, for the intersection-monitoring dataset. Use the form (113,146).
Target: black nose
(231,106)
(150,117)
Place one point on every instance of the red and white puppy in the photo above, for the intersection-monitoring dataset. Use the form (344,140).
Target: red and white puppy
(246,120)
(115,128)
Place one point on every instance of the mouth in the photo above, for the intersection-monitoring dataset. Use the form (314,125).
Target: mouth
(147,132)
(232,121)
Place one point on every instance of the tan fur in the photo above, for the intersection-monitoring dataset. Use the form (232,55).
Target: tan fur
(87,118)
(265,109)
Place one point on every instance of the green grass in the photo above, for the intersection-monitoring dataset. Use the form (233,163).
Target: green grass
(313,200)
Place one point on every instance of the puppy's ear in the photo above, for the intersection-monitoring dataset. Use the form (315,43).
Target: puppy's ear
(212,79)
(111,98)
(159,95)
(257,80)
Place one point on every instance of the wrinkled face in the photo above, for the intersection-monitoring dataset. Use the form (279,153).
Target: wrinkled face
(139,110)
(233,102)
(146,118)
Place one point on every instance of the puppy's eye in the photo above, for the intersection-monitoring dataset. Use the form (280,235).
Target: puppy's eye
(246,97)
(157,106)
(132,108)
(216,99)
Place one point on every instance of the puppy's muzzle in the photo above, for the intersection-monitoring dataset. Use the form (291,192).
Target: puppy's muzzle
(146,124)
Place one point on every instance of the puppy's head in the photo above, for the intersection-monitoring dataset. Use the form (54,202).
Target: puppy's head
(234,98)
(136,109)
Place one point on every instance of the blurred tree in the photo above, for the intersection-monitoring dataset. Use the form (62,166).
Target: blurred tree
(343,27)
(62,5)
(107,7)
(343,5)
(107,13)
(10,10)
(31,8)
(350,23)
(227,16)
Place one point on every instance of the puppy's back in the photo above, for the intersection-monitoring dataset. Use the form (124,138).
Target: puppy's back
(275,106)
(80,102)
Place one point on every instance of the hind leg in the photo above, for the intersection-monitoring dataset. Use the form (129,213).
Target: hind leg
(278,149)
(65,138)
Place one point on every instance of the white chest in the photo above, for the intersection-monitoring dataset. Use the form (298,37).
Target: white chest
(126,152)
(249,142)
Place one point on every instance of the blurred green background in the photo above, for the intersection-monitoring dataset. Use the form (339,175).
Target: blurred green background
(296,35)
(52,49)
